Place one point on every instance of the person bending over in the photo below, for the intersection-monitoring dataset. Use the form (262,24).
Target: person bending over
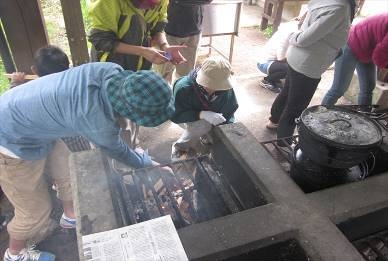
(87,100)
(367,47)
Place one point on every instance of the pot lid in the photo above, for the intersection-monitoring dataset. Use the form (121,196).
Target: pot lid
(341,125)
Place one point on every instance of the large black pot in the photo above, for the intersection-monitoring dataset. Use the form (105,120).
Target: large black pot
(312,177)
(336,137)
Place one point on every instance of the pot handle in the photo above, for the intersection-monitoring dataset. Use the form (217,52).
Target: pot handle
(348,123)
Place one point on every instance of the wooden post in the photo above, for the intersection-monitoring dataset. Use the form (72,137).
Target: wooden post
(266,15)
(75,31)
(272,13)
(278,15)
(24,29)
(273,10)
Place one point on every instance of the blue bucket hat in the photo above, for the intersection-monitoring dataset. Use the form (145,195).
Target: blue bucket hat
(143,97)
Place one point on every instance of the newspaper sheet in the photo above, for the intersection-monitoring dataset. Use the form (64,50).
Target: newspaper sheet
(153,240)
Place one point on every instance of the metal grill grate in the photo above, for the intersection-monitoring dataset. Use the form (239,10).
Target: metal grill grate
(194,192)
(374,247)
(282,154)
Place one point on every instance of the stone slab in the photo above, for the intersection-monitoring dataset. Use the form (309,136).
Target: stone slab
(289,213)
(92,198)
(380,93)
(352,200)
(296,209)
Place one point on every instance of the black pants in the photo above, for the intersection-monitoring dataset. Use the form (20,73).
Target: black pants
(276,72)
(291,101)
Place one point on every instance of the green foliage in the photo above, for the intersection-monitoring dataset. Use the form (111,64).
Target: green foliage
(55,26)
(4,83)
(86,18)
(85,14)
(268,32)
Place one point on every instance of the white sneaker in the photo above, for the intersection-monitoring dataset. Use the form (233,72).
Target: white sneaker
(66,222)
(29,254)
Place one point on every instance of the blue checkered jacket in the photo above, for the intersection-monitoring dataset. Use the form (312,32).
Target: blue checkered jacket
(65,104)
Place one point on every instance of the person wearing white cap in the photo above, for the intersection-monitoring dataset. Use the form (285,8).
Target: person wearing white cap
(203,99)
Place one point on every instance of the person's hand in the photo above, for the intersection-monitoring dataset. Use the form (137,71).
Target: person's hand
(167,172)
(212,117)
(139,150)
(165,169)
(147,161)
(18,78)
(176,56)
(154,55)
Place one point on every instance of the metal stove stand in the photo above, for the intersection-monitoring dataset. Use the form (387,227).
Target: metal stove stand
(282,154)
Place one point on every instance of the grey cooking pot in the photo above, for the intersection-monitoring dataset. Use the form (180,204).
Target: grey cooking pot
(337,137)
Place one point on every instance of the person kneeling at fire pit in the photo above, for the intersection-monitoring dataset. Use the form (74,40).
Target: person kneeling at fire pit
(203,99)
(87,100)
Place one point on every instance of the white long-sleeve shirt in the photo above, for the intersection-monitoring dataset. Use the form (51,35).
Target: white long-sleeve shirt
(276,47)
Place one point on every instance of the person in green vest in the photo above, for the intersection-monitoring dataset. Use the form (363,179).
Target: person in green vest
(131,33)
(203,99)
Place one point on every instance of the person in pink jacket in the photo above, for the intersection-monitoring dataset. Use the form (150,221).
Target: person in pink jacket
(366,49)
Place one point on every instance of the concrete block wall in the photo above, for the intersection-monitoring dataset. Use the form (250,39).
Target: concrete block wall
(380,93)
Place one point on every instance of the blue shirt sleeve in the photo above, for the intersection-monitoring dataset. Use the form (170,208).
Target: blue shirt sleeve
(112,144)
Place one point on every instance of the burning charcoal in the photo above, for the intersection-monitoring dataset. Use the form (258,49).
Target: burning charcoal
(369,254)
(152,208)
(366,251)
(192,192)
(168,209)
(384,237)
(195,200)
(127,179)
(184,209)
(379,247)
(376,243)
(177,193)
(163,198)
(139,215)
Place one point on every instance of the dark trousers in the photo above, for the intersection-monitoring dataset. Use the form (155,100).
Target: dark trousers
(276,72)
(291,101)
